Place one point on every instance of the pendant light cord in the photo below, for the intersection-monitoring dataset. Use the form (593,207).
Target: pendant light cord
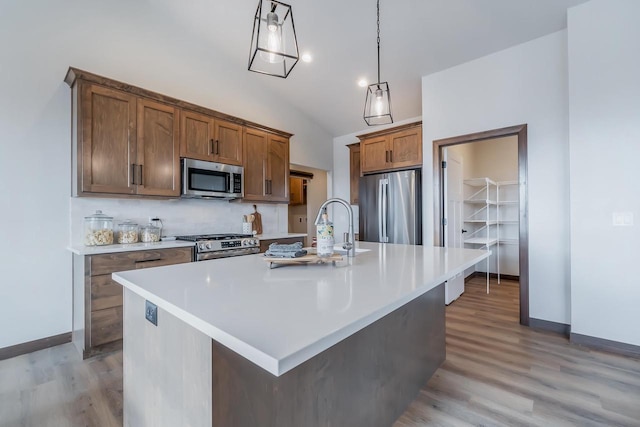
(378,23)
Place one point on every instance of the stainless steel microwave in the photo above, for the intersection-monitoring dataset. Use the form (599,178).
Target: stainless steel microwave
(201,179)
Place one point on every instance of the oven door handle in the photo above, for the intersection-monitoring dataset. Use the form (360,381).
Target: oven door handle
(204,256)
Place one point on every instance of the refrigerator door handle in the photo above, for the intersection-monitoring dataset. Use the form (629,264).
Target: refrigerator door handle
(383,202)
(380,208)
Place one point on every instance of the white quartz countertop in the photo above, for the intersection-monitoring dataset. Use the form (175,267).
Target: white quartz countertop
(109,249)
(279,318)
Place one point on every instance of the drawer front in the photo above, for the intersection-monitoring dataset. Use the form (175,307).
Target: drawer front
(122,261)
(105,293)
(106,326)
(165,257)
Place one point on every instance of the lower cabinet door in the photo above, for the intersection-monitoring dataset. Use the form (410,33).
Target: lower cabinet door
(106,326)
(105,293)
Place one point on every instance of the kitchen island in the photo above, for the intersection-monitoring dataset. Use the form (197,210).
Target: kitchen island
(238,343)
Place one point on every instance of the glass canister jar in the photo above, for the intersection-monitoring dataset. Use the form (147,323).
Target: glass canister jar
(98,229)
(150,233)
(128,232)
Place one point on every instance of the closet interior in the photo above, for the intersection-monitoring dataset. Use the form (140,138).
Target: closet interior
(490,211)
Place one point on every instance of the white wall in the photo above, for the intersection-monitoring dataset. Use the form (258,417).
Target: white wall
(496,159)
(466,152)
(125,41)
(604,101)
(523,84)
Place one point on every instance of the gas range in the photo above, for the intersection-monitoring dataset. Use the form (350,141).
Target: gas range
(212,246)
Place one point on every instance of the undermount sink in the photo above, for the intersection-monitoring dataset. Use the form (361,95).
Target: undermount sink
(340,250)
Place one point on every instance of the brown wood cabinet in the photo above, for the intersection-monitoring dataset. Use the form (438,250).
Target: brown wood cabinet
(354,171)
(158,146)
(125,144)
(297,192)
(266,166)
(203,137)
(390,149)
(107,125)
(97,318)
(127,141)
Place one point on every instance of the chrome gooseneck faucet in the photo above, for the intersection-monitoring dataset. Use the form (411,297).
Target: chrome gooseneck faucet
(350,245)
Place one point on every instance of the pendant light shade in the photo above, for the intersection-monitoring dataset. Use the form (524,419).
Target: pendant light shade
(377,105)
(274,47)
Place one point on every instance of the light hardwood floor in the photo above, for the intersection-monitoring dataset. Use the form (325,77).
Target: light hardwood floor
(497,373)
(55,388)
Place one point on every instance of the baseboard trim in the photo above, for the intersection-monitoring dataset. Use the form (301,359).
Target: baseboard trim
(606,345)
(31,346)
(547,325)
(491,275)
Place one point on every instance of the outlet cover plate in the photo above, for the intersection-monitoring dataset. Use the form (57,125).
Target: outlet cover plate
(151,312)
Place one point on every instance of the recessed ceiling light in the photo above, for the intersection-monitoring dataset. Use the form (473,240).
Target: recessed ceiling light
(363,83)
(306,57)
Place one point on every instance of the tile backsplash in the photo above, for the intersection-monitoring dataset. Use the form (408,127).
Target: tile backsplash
(179,216)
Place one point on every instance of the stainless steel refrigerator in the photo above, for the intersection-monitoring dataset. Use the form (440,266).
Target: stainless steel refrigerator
(391,207)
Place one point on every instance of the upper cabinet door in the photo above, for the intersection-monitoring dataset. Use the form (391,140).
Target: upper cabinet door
(406,148)
(227,145)
(374,154)
(278,169)
(255,164)
(196,136)
(108,122)
(158,161)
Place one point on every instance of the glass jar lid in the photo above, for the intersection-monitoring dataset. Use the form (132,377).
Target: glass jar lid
(151,227)
(99,216)
(128,223)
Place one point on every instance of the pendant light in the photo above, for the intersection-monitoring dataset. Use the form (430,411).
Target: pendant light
(274,47)
(377,106)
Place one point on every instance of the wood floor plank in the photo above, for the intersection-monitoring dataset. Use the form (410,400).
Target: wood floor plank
(497,373)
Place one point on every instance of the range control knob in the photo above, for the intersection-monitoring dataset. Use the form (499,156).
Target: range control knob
(201,246)
(208,245)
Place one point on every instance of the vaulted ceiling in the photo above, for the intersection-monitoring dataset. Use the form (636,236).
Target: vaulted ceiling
(418,37)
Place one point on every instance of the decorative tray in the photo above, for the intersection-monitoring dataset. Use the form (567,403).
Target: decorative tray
(307,259)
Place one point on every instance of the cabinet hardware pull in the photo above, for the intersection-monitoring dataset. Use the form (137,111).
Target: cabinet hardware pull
(217,147)
(386,156)
(148,260)
(211,146)
(390,156)
(141,181)
(133,174)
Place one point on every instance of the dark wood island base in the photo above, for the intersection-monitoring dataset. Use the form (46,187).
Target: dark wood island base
(367,379)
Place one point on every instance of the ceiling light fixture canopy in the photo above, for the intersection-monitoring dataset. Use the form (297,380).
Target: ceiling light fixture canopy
(377,106)
(274,46)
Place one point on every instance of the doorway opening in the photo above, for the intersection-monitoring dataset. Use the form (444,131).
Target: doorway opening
(307,191)
(486,208)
